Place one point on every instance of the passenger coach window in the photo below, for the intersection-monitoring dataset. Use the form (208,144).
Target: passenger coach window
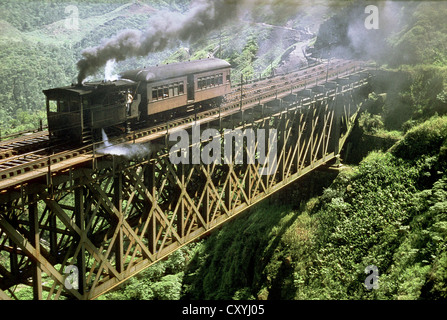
(181,89)
(207,82)
(154,94)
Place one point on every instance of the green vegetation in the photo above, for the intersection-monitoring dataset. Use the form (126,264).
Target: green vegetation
(389,212)
(229,264)
(23,79)
(423,39)
(162,281)
(244,60)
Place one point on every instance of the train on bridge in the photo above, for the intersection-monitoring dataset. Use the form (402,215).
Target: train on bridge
(148,97)
(78,113)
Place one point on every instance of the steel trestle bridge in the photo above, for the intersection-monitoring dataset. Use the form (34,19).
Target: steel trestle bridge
(104,218)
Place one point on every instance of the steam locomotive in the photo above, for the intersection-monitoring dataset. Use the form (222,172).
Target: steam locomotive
(77,113)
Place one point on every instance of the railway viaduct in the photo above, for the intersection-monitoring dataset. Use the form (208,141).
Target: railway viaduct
(76,223)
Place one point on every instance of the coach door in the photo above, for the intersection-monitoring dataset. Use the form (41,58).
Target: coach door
(190,87)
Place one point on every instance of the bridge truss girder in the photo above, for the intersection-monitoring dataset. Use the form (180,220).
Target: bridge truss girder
(111,218)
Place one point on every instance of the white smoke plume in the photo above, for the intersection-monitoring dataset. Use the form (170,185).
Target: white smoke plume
(346,35)
(169,28)
(373,43)
(128,151)
(108,72)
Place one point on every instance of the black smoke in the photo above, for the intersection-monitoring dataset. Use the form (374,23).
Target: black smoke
(169,28)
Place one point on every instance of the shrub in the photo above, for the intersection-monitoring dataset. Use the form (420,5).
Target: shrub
(424,139)
(371,123)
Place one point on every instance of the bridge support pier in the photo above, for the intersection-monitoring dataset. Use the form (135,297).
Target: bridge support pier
(118,204)
(35,242)
(336,125)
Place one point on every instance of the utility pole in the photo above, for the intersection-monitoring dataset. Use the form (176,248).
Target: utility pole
(242,113)
(220,44)
(242,82)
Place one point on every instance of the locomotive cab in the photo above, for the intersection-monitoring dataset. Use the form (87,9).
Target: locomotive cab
(64,114)
(78,113)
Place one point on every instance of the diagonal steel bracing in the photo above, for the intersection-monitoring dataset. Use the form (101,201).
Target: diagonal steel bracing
(110,219)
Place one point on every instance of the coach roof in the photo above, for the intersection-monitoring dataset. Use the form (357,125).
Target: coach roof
(89,87)
(173,70)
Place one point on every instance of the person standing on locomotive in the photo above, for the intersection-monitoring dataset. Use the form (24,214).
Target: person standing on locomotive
(129,101)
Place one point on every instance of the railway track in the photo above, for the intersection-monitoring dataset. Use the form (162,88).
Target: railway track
(33,153)
(23,144)
(302,76)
